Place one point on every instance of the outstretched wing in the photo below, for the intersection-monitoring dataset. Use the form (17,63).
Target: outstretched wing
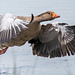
(68,41)
(10,26)
(54,41)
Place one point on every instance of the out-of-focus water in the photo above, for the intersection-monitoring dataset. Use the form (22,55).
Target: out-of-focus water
(26,63)
(65,8)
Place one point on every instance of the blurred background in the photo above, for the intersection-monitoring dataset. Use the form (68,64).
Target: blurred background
(20,60)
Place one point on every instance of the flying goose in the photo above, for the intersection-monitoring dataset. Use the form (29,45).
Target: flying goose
(54,40)
(16,30)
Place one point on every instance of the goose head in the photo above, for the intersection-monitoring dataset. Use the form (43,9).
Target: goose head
(49,15)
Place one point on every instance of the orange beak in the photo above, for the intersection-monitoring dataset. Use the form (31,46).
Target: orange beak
(55,15)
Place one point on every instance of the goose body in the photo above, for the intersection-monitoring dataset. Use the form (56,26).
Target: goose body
(16,30)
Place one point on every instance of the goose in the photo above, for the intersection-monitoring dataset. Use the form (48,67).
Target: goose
(54,40)
(17,30)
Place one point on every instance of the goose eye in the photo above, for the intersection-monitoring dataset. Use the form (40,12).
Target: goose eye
(49,13)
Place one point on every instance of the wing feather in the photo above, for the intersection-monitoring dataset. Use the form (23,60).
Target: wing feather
(60,41)
(10,26)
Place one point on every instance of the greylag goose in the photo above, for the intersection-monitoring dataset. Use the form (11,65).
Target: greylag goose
(54,40)
(15,31)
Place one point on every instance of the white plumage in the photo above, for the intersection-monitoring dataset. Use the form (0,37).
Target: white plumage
(10,26)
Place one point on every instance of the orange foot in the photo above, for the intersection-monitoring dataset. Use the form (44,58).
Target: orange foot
(3,50)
